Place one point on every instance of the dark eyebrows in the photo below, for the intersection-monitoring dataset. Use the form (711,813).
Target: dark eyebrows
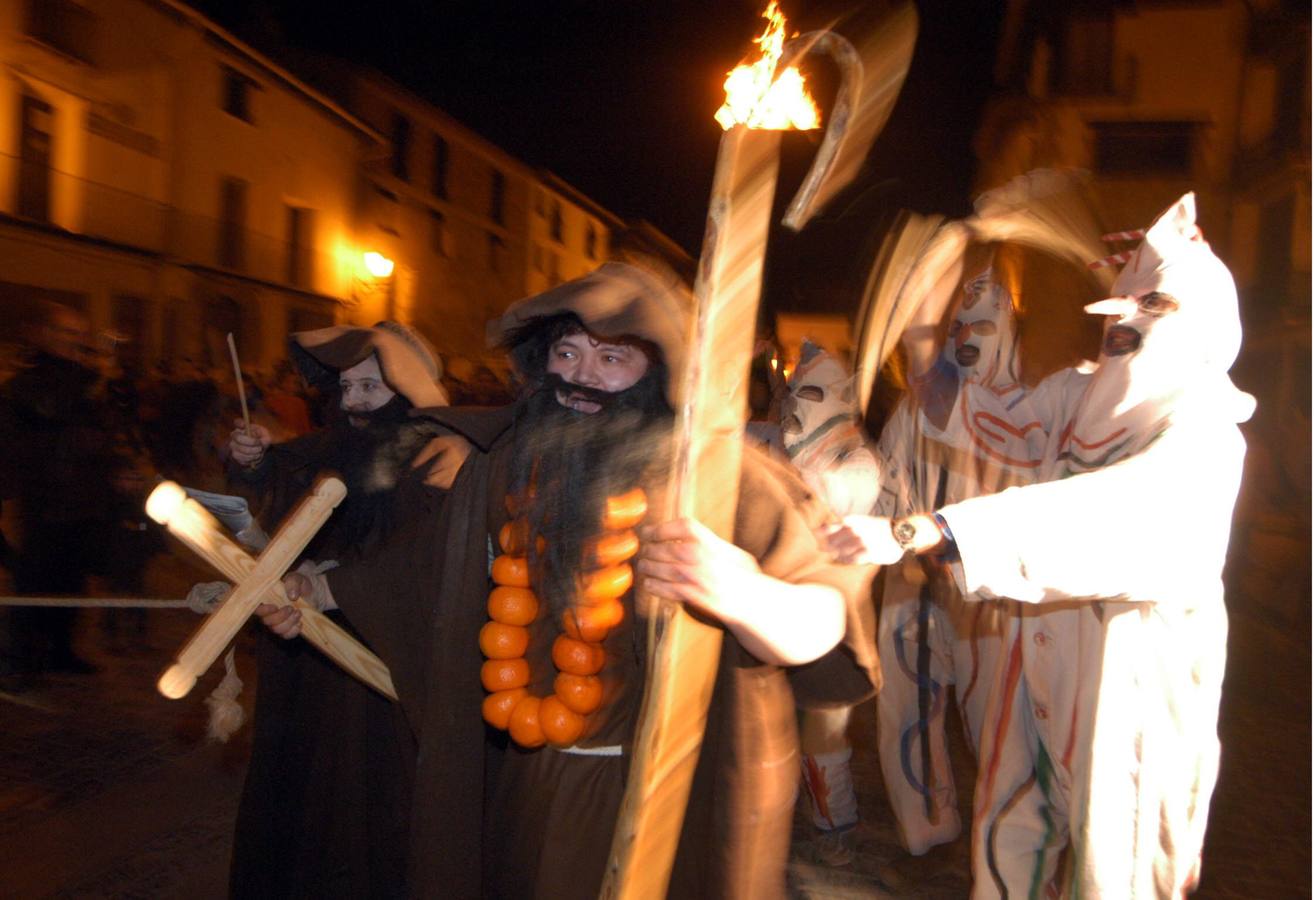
(605,346)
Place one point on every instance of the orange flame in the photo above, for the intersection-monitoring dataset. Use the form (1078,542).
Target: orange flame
(757,97)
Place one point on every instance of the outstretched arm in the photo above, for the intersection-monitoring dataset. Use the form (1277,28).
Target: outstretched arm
(778,622)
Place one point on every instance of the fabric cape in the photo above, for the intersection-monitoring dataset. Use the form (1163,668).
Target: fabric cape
(421,602)
(326,802)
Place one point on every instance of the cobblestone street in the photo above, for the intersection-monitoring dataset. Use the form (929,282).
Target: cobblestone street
(109,790)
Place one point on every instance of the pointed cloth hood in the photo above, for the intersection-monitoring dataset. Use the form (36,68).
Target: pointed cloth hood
(1173,332)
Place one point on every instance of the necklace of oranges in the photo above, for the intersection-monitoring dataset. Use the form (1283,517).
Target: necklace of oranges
(559,718)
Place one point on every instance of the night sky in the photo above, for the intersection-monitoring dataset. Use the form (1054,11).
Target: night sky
(617,98)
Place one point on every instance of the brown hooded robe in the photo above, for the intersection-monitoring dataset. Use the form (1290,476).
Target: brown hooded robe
(325,805)
(541,821)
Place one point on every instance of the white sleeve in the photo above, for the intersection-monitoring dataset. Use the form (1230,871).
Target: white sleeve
(1153,527)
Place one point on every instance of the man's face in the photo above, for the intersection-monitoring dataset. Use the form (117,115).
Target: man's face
(67,334)
(363,390)
(579,358)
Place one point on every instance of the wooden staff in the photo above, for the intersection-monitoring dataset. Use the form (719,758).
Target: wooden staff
(683,652)
(241,388)
(256,581)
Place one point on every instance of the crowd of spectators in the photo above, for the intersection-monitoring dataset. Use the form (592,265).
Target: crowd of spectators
(85,436)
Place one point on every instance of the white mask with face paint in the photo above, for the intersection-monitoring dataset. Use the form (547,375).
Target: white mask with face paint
(982,337)
(821,397)
(820,431)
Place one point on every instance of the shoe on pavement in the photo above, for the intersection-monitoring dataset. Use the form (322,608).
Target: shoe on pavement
(836,848)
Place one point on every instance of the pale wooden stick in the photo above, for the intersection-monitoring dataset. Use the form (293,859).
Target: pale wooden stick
(886,306)
(241,388)
(683,652)
(188,521)
(97,602)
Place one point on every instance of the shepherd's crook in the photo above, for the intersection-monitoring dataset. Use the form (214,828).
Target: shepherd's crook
(683,652)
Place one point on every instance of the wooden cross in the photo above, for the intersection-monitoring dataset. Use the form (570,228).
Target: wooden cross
(256,581)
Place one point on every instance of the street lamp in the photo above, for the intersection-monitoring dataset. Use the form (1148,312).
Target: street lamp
(377,264)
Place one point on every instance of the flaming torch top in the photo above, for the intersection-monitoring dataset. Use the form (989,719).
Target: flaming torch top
(757,97)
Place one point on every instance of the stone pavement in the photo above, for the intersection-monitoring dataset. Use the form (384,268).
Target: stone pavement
(109,790)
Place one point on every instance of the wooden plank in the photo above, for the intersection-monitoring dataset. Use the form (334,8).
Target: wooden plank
(683,652)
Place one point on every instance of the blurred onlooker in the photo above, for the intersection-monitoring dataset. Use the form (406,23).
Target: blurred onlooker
(188,407)
(473,384)
(284,399)
(130,542)
(57,451)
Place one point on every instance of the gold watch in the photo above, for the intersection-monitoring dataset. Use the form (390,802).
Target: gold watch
(904,533)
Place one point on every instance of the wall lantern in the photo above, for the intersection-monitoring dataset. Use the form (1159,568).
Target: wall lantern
(378,265)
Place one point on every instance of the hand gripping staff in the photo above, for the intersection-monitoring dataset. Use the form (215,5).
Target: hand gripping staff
(683,652)
(256,581)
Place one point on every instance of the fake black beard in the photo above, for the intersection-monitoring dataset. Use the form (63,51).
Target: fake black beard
(356,453)
(576,461)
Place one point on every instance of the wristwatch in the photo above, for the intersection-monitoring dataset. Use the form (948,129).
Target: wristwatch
(904,533)
(936,538)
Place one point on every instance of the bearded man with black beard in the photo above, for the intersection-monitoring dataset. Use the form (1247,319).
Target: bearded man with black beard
(325,805)
(528,814)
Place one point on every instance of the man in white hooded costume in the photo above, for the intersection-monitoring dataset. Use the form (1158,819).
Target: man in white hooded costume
(820,432)
(1099,751)
(965,429)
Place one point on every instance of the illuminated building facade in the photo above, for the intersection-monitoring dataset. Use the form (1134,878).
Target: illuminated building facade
(176,184)
(170,181)
(471,227)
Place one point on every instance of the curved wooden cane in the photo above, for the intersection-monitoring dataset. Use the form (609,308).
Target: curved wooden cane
(683,652)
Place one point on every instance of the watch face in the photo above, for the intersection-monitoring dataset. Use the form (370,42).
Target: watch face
(904,532)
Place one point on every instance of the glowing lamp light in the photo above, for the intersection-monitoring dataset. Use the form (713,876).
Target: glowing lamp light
(757,97)
(378,265)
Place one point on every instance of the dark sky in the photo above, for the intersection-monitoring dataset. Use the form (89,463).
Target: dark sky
(617,98)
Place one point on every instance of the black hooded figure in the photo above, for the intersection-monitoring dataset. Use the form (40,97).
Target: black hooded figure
(325,805)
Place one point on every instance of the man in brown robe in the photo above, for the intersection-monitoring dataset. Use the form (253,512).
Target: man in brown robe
(325,804)
(595,419)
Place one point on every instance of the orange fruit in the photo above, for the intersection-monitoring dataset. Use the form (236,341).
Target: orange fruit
(580,628)
(499,641)
(498,706)
(591,623)
(580,693)
(625,511)
(604,584)
(612,548)
(514,536)
(576,657)
(523,724)
(511,570)
(513,605)
(561,725)
(504,674)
